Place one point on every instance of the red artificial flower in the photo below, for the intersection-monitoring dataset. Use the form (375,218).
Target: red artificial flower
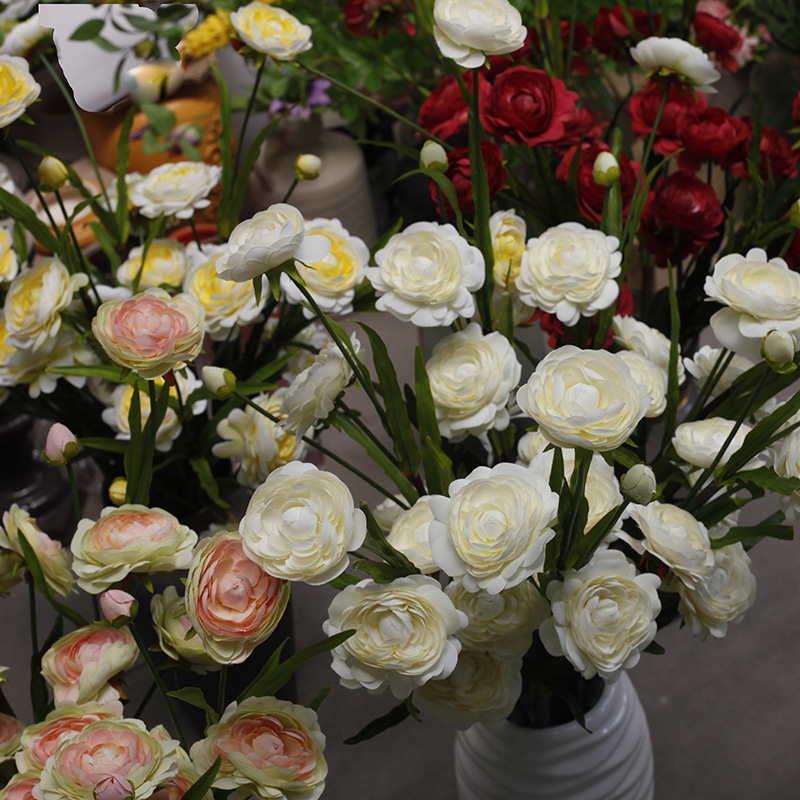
(582,126)
(497,64)
(709,134)
(445,112)
(614,38)
(527,106)
(796,110)
(720,37)
(643,109)
(459,173)
(581,40)
(681,215)
(777,155)
(374,17)
(591,195)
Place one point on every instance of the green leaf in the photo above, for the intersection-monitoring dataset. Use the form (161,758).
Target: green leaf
(655,649)
(202,469)
(88,30)
(133,455)
(742,533)
(394,717)
(105,444)
(104,44)
(23,213)
(317,699)
(123,161)
(405,445)
(189,150)
(274,676)
(107,244)
(394,558)
(161,119)
(765,478)
(225,222)
(203,784)
(343,581)
(194,697)
(103,371)
(506,320)
(673,384)
(242,181)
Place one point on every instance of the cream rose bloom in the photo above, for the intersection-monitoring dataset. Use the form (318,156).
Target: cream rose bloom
(18,89)
(35,300)
(760,295)
(698,443)
(631,334)
(584,398)
(165,262)
(312,395)
(404,634)
(113,756)
(570,271)
(530,445)
(53,558)
(667,56)
(151,332)
(482,688)
(502,623)
(176,189)
(232,603)
(469,30)
(509,233)
(492,530)
(332,281)
(651,376)
(268,240)
(9,263)
(271,31)
(117,417)
(723,597)
(674,537)
(168,611)
(301,523)
(79,665)
(129,539)
(702,364)
(604,615)
(472,377)
(261,444)
(388,510)
(409,533)
(304,348)
(10,734)
(426,275)
(271,749)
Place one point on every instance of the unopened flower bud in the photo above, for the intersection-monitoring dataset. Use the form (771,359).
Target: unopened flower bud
(639,484)
(115,603)
(794,214)
(307,167)
(52,174)
(606,169)
(219,381)
(433,156)
(113,787)
(777,348)
(118,490)
(61,445)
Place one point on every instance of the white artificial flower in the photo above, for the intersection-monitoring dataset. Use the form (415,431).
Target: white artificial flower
(493,528)
(469,30)
(702,363)
(508,231)
(333,280)
(404,634)
(176,189)
(785,453)
(18,88)
(584,398)
(698,443)
(301,523)
(723,597)
(530,445)
(305,348)
(472,378)
(657,55)
(482,688)
(651,376)
(570,271)
(268,240)
(165,262)
(9,262)
(271,31)
(387,511)
(632,334)
(23,36)
(760,295)
(502,623)
(426,275)
(410,534)
(674,537)
(604,615)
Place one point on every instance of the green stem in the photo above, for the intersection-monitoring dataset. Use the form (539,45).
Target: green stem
(582,460)
(76,503)
(250,103)
(87,267)
(195,234)
(720,365)
(223,679)
(290,190)
(345,409)
(96,608)
(32,614)
(145,700)
(33,182)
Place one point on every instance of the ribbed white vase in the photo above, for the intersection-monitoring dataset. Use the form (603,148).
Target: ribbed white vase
(614,762)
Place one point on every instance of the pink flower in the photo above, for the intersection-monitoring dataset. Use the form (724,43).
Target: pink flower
(150,332)
(21,787)
(116,603)
(61,445)
(10,733)
(113,787)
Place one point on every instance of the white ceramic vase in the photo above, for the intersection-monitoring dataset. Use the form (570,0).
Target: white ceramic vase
(614,762)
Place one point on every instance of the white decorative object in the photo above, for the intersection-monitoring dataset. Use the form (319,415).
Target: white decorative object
(614,762)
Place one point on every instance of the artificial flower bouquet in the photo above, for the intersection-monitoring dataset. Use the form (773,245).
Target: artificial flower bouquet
(536,532)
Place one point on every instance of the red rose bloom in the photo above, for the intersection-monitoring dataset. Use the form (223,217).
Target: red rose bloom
(612,36)
(777,156)
(591,195)
(796,110)
(583,125)
(527,106)
(444,113)
(719,37)
(459,173)
(643,109)
(681,215)
(581,40)
(708,134)
(374,17)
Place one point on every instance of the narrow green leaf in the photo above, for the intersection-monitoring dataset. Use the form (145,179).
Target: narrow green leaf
(202,469)
(133,455)
(388,720)
(225,222)
(317,699)
(766,478)
(673,384)
(88,30)
(161,119)
(343,581)
(105,444)
(393,558)
(242,181)
(123,161)
(378,571)
(438,467)
(105,44)
(655,649)
(23,213)
(194,697)
(107,244)
(203,784)
(741,533)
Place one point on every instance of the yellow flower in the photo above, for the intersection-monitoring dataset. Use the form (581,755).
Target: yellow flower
(18,89)
(165,263)
(212,34)
(9,263)
(271,31)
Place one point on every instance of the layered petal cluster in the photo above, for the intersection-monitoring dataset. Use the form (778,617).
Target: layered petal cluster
(176,189)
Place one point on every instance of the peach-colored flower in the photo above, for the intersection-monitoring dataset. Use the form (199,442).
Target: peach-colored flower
(269,747)
(79,665)
(10,733)
(109,760)
(20,787)
(61,444)
(115,603)
(186,776)
(150,332)
(131,538)
(233,604)
(40,741)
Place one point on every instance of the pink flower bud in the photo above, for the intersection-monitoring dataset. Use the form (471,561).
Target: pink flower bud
(116,603)
(61,445)
(113,787)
